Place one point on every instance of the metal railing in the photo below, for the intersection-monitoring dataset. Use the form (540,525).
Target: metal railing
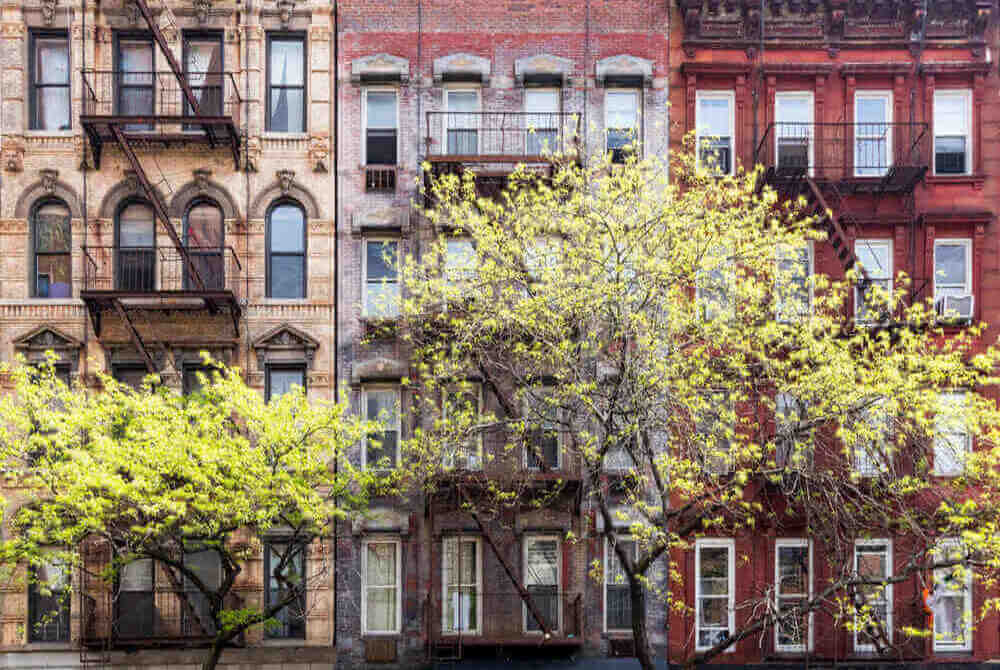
(140,270)
(151,617)
(504,616)
(148,95)
(500,134)
(845,151)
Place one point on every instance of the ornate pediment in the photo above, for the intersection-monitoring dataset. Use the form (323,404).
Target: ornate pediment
(624,66)
(386,219)
(464,67)
(285,343)
(380,67)
(378,369)
(542,65)
(44,338)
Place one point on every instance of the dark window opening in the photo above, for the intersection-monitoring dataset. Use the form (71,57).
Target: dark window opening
(285,566)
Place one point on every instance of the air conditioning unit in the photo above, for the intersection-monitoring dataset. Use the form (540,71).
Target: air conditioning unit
(955,307)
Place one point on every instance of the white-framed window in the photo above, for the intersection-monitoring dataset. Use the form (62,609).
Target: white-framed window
(541,106)
(459,261)
(617,592)
(792,589)
(791,450)
(874,436)
(952,440)
(461,124)
(467,454)
(873,562)
(713,428)
(381,586)
(715,588)
(872,133)
(953,278)
(622,112)
(876,258)
(543,431)
(793,284)
(715,123)
(380,289)
(712,287)
(951,599)
(382,404)
(380,112)
(462,585)
(542,580)
(793,139)
(952,131)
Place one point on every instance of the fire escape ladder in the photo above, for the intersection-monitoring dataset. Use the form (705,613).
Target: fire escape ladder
(133,333)
(174,66)
(827,216)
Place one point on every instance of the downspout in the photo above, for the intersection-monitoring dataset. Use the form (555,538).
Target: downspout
(83,169)
(243,17)
(336,276)
(760,81)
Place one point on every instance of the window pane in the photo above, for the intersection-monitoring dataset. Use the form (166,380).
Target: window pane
(950,264)
(281,380)
(460,260)
(874,256)
(793,570)
(287,229)
(51,60)
(285,581)
(287,276)
(462,101)
(950,114)
(871,110)
(287,110)
(52,108)
(542,563)
(381,563)
(545,101)
(136,62)
(204,226)
(794,109)
(713,117)
(287,62)
(381,109)
(52,228)
(714,570)
(136,226)
(622,109)
(52,276)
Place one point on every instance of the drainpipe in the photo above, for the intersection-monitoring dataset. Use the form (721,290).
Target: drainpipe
(336,275)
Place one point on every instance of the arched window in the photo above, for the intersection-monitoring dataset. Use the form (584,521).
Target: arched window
(51,244)
(286,251)
(204,236)
(135,248)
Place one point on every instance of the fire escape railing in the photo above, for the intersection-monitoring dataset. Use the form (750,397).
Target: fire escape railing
(145,270)
(147,97)
(501,135)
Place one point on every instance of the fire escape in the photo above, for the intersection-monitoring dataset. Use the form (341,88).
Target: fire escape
(152,110)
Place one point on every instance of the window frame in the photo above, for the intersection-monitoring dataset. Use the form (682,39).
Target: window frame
(780,309)
(811,125)
(203,36)
(793,542)
(478,386)
(364,123)
(873,94)
(461,88)
(637,95)
(525,403)
(446,630)
(966,244)
(398,586)
(284,367)
(730,545)
(887,592)
(967,603)
(966,433)
(154,265)
(284,35)
(35,253)
(382,387)
(204,252)
(966,95)
(119,87)
(608,552)
(34,86)
(303,557)
(382,240)
(729,96)
(64,596)
(526,615)
(878,466)
(304,254)
(872,242)
(712,397)
(528,134)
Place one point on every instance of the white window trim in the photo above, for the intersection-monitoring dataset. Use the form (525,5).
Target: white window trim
(875,242)
(528,539)
(889,155)
(604,591)
(445,630)
(364,271)
(364,120)
(730,545)
(559,104)
(966,95)
(479,400)
(636,95)
(968,435)
(793,542)
(964,242)
(810,284)
(802,95)
(966,644)
(399,417)
(729,96)
(364,586)
(888,590)
(559,442)
(464,88)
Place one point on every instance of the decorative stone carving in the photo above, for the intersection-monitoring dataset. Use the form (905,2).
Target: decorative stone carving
(285,179)
(33,345)
(49,178)
(131,181)
(253,154)
(13,155)
(202,180)
(285,343)
(201,8)
(542,64)
(132,12)
(48,8)
(381,519)
(378,369)
(384,67)
(462,66)
(625,65)
(381,219)
(285,8)
(319,153)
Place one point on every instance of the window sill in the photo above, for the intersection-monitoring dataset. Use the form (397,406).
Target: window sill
(284,301)
(975,180)
(50,133)
(380,636)
(617,635)
(283,642)
(277,135)
(55,302)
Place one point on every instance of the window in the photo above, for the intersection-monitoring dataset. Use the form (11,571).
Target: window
(713,428)
(618,456)
(286,574)
(466,404)
(542,580)
(794,282)
(49,72)
(873,562)
(617,591)
(204,237)
(49,603)
(541,121)
(872,133)
(953,296)
(792,449)
(712,290)
(286,84)
(196,618)
(793,113)
(130,374)
(136,602)
(286,251)
(382,446)
(714,579)
(136,248)
(282,378)
(871,303)
(462,579)
(874,435)
(542,435)
(203,70)
(792,589)
(190,381)
(381,126)
(951,599)
(52,241)
(621,112)
(459,261)
(381,273)
(714,123)
(953,132)
(136,79)
(382,590)
(952,441)
(462,121)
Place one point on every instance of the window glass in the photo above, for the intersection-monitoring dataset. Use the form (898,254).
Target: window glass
(203,69)
(204,240)
(136,254)
(713,564)
(467,455)
(622,122)
(792,589)
(381,584)
(952,144)
(872,562)
(287,240)
(49,604)
(461,585)
(714,131)
(541,579)
(285,565)
(542,120)
(791,449)
(872,139)
(871,452)
(286,85)
(952,441)
(382,446)
(876,257)
(460,260)
(953,278)
(135,80)
(380,134)
(381,278)
(52,239)
(713,424)
(951,600)
(713,293)
(794,115)
(793,282)
(463,122)
(136,616)
(618,595)
(50,68)
(543,431)
(280,380)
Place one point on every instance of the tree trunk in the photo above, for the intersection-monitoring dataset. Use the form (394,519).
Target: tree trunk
(640,636)
(214,655)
